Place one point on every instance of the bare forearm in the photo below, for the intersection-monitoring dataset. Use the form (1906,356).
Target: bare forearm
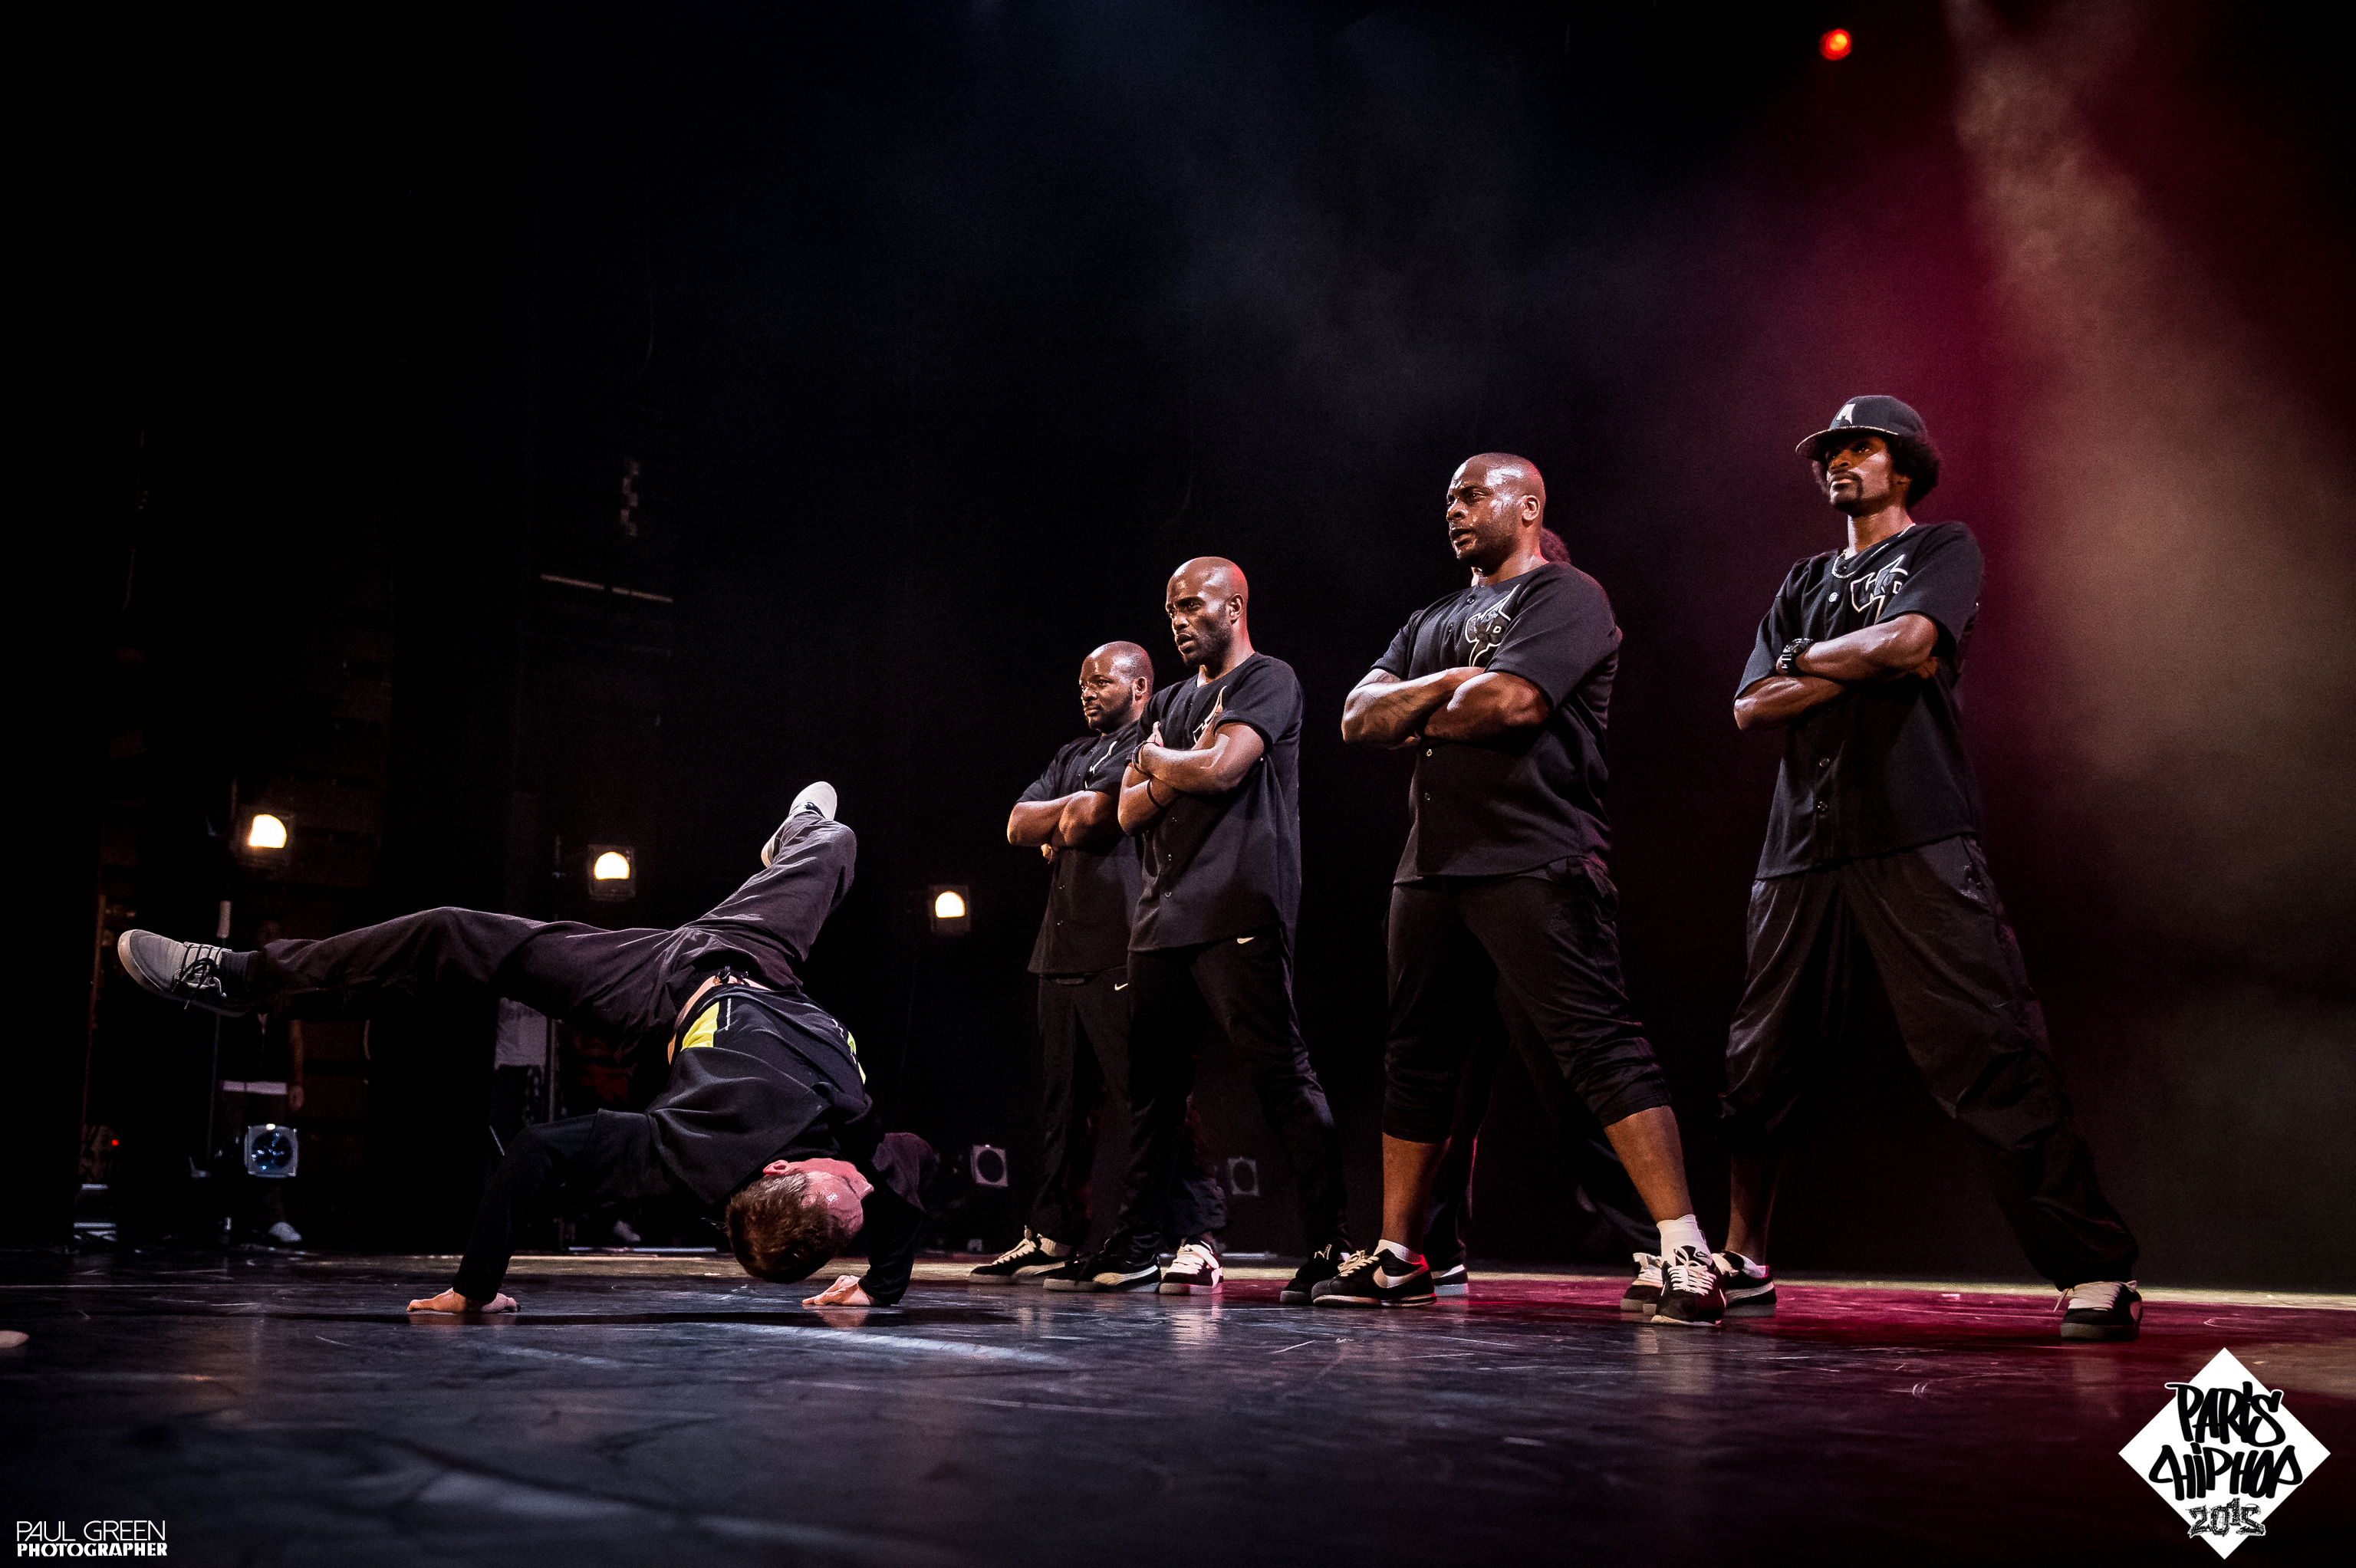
(1204,770)
(1486,704)
(1389,713)
(1778,699)
(1032,822)
(1894,648)
(1090,820)
(1140,802)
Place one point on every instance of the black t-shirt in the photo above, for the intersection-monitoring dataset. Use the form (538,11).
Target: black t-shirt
(1881,767)
(1524,798)
(1221,866)
(1089,896)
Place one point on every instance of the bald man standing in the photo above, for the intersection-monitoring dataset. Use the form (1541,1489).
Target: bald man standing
(1213,795)
(1070,814)
(1501,689)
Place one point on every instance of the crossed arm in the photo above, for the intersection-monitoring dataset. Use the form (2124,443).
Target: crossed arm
(1216,762)
(1083,820)
(1905,646)
(1467,703)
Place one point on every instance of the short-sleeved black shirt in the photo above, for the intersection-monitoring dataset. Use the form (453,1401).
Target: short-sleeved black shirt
(1881,767)
(1221,866)
(1525,798)
(1089,896)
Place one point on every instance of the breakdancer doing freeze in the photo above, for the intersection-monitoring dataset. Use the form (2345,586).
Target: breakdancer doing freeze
(1502,689)
(765,1112)
(1872,874)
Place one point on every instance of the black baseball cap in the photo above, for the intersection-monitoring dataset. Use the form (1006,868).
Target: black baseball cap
(1874,415)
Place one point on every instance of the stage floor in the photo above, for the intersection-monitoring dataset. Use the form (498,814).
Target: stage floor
(272,1407)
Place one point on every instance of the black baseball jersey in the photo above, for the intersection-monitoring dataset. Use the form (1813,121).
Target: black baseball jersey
(1525,798)
(1881,767)
(1089,895)
(1221,866)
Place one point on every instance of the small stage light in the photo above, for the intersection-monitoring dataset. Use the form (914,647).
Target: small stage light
(1835,44)
(267,832)
(270,1150)
(613,872)
(988,1166)
(951,911)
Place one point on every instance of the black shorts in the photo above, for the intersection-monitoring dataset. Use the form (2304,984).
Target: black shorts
(1553,939)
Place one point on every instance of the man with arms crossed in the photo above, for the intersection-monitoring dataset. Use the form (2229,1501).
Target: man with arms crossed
(1872,874)
(1502,689)
(1213,797)
(1070,813)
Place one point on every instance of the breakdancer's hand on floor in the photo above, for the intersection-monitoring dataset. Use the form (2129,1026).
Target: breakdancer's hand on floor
(846,1291)
(451,1301)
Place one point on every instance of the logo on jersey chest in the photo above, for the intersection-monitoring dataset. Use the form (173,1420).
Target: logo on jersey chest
(1484,630)
(1869,593)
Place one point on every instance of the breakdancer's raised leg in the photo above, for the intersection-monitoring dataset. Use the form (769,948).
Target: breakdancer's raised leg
(765,1111)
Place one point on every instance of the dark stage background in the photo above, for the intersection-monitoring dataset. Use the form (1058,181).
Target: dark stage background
(927,340)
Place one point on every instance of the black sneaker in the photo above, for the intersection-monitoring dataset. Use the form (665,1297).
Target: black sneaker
(192,974)
(1020,1264)
(1376,1279)
(2105,1309)
(1193,1270)
(1750,1286)
(1109,1268)
(1691,1297)
(1643,1297)
(1452,1281)
(1322,1264)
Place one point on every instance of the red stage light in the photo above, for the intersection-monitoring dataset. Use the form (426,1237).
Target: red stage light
(1835,44)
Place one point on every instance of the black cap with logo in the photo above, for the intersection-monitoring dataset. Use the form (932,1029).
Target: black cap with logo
(1871,415)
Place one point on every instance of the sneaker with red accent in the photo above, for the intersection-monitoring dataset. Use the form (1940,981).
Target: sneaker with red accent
(1193,1270)
(1750,1286)
(1379,1278)
(1643,1297)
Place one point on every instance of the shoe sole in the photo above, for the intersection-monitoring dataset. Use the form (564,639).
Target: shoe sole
(1638,1309)
(1664,1317)
(1188,1287)
(2101,1333)
(1370,1301)
(1752,1308)
(1295,1298)
(1451,1290)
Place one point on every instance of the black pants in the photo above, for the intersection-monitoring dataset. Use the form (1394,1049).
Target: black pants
(1926,924)
(1084,1028)
(572,1165)
(1594,1164)
(1245,986)
(615,984)
(1553,944)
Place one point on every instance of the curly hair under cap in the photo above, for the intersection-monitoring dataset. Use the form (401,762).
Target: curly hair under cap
(1912,455)
(780,1233)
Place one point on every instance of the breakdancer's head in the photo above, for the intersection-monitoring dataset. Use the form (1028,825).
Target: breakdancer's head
(1496,512)
(795,1215)
(1114,681)
(1210,619)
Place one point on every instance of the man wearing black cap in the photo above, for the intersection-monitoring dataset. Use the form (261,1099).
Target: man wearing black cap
(1872,871)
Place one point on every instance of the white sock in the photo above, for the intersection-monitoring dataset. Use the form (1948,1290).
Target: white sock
(1683,1231)
(1400,1251)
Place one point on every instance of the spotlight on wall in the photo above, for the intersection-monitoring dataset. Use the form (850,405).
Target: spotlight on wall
(613,872)
(266,832)
(1835,44)
(1242,1177)
(951,911)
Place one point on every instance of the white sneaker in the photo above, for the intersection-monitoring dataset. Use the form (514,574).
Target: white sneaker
(1194,1270)
(817,796)
(285,1234)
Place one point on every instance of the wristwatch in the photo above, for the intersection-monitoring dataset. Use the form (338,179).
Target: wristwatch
(1788,661)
